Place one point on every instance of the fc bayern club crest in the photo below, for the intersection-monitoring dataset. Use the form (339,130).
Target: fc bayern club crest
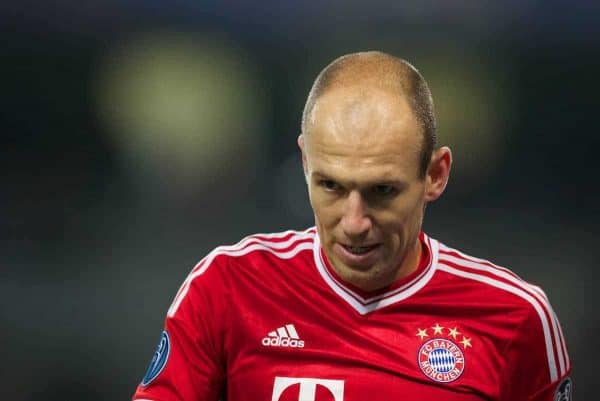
(441,356)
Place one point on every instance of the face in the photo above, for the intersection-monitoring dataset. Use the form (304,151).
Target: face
(361,155)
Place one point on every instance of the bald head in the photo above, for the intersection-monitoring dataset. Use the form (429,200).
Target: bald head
(369,71)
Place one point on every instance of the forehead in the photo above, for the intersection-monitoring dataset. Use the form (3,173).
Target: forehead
(360,132)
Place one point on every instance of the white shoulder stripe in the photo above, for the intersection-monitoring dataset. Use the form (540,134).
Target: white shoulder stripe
(537,293)
(466,257)
(563,344)
(552,366)
(265,239)
(301,242)
(254,239)
(444,248)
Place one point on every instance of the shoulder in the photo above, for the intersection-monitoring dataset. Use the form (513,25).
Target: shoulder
(523,306)
(282,245)
(252,256)
(491,278)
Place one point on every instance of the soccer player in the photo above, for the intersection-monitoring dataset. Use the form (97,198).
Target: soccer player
(363,306)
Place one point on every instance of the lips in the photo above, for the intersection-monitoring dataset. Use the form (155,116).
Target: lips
(359,256)
(359,250)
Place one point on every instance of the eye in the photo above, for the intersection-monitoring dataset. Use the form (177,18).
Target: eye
(384,190)
(329,185)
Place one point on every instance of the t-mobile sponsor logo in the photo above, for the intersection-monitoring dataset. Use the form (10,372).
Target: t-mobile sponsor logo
(308,387)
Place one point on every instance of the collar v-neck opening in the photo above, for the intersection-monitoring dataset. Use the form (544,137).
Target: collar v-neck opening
(365,302)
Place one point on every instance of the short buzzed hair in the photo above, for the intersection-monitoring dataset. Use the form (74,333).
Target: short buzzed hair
(387,71)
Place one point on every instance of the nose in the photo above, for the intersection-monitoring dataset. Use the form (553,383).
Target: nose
(356,221)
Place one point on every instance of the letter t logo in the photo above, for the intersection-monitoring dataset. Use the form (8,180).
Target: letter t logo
(308,387)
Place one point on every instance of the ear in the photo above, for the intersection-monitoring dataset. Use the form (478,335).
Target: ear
(438,173)
(302,147)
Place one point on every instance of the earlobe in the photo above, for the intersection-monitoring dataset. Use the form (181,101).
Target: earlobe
(438,173)
(301,142)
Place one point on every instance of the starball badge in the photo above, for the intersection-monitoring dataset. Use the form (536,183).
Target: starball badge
(441,355)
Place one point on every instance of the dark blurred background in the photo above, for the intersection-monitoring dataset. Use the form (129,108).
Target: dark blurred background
(138,135)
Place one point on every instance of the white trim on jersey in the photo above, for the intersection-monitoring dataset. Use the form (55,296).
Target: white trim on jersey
(365,305)
(536,291)
(540,298)
(287,331)
(515,285)
(563,343)
(299,241)
(292,330)
(564,359)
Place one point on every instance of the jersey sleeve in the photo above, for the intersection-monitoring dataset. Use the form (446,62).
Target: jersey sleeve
(537,364)
(188,363)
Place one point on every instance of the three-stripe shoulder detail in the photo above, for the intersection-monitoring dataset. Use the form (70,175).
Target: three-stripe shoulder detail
(284,245)
(459,264)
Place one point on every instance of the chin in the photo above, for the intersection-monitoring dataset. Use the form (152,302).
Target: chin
(367,279)
(368,283)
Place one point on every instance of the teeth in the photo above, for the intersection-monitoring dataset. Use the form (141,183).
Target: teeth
(359,249)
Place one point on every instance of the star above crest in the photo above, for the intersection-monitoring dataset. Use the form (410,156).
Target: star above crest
(454,332)
(422,333)
(439,331)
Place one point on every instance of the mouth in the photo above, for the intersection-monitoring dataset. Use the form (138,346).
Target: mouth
(358,256)
(359,250)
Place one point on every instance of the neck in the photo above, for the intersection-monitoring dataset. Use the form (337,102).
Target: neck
(411,260)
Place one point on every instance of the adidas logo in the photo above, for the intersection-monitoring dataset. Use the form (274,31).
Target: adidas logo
(285,336)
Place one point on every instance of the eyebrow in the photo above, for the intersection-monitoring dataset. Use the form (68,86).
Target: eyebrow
(386,181)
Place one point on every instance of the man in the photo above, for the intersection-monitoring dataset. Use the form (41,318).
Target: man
(364,305)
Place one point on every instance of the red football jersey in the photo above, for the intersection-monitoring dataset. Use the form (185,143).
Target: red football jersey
(269,319)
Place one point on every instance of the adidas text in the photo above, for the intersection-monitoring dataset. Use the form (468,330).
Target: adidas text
(282,342)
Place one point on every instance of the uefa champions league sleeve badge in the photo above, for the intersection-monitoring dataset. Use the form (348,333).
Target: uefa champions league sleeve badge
(159,359)
(564,391)
(441,356)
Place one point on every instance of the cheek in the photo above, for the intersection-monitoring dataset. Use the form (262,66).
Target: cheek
(398,214)
(403,215)
(324,210)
